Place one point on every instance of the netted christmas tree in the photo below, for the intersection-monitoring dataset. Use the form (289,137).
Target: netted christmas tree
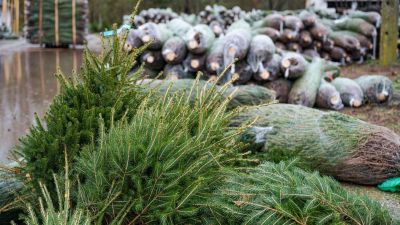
(335,144)
(285,194)
(56,22)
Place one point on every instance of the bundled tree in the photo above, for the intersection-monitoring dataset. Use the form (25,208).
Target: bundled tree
(56,23)
(293,22)
(284,194)
(305,39)
(372,17)
(153,60)
(274,20)
(194,63)
(274,68)
(288,36)
(179,27)
(175,72)
(215,57)
(133,40)
(282,89)
(242,95)
(199,39)
(331,72)
(357,25)
(308,18)
(376,88)
(174,50)
(274,34)
(155,35)
(328,97)
(350,92)
(319,31)
(155,16)
(293,64)
(236,43)
(311,53)
(338,54)
(261,51)
(243,73)
(305,89)
(333,143)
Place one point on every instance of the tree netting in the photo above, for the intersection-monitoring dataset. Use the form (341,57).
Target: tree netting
(333,143)
(241,95)
(56,22)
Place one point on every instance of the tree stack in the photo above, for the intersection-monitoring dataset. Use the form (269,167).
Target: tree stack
(56,23)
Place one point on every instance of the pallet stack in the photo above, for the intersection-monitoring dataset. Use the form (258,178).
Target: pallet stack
(56,23)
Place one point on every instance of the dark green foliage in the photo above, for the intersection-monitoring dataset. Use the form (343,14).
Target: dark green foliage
(102,90)
(9,187)
(284,194)
(162,165)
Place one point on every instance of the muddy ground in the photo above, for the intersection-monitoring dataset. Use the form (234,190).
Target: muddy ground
(388,116)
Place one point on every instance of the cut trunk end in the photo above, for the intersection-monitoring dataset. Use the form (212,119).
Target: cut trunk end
(231,51)
(214,66)
(355,103)
(383,96)
(334,100)
(286,63)
(235,77)
(213,78)
(150,59)
(128,47)
(264,75)
(173,77)
(193,44)
(195,64)
(146,38)
(329,75)
(217,29)
(171,56)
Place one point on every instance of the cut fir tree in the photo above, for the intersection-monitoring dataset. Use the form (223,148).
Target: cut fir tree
(163,165)
(101,92)
(284,194)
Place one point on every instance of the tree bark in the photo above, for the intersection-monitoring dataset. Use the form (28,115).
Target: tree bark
(389,32)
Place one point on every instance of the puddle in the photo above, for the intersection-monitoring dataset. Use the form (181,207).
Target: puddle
(27,86)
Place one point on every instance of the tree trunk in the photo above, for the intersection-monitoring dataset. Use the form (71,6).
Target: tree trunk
(389,32)
(186,7)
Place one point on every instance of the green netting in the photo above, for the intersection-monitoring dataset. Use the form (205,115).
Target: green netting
(242,95)
(65,24)
(333,143)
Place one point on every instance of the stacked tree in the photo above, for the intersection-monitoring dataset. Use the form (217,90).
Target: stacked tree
(278,50)
(335,144)
(349,38)
(136,158)
(56,22)
(155,15)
